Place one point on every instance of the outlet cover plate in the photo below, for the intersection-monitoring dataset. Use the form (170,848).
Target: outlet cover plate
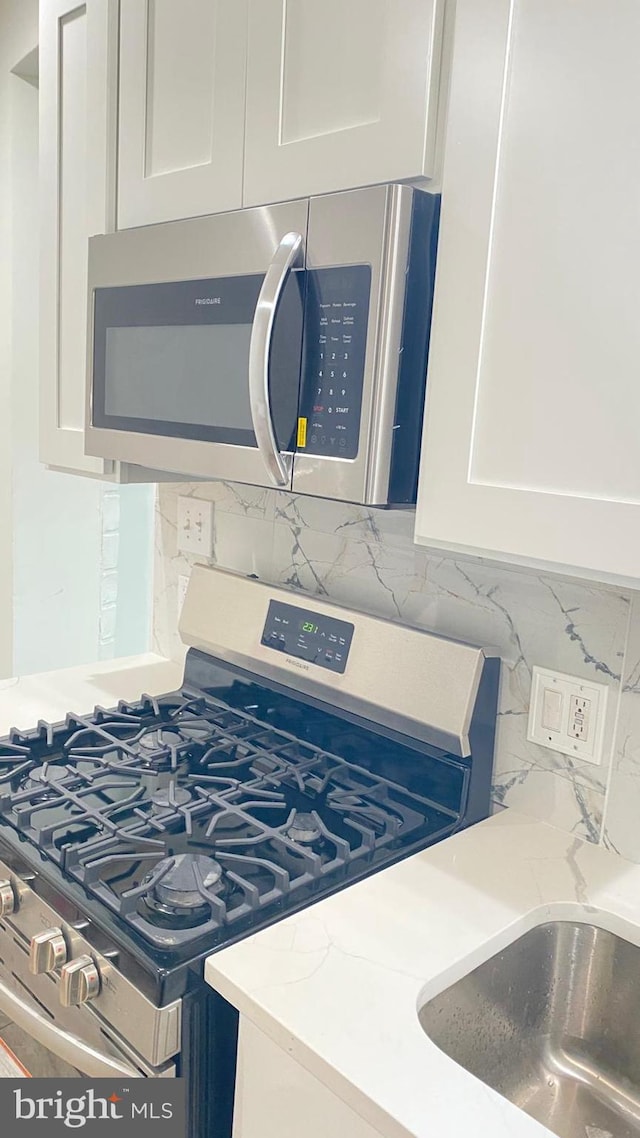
(589,749)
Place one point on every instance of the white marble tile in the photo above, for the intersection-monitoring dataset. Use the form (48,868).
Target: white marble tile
(229,497)
(243,544)
(622,812)
(361,573)
(356,523)
(366,558)
(530,618)
(242,541)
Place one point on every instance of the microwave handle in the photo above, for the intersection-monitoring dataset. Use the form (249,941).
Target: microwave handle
(275,279)
(67,1047)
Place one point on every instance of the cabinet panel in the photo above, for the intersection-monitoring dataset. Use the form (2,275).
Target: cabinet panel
(182,75)
(74,44)
(312,106)
(339,95)
(278,1098)
(530,443)
(72,218)
(561,328)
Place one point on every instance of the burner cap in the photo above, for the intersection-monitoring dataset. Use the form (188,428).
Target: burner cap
(48,772)
(179,887)
(193,730)
(304,829)
(158,739)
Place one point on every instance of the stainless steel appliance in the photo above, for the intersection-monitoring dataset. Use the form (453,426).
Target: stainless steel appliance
(309,746)
(284,345)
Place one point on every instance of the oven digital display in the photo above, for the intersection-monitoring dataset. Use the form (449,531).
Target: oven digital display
(310,636)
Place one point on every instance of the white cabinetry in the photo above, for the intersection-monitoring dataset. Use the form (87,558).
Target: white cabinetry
(277,1098)
(320,97)
(182,93)
(530,449)
(339,94)
(77,122)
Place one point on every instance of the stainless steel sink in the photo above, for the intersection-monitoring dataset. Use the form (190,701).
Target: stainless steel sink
(553,1024)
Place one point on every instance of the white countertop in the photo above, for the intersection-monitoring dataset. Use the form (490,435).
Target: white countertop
(50,695)
(338,984)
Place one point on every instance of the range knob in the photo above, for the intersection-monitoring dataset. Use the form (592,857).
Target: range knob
(79,981)
(47,951)
(8,900)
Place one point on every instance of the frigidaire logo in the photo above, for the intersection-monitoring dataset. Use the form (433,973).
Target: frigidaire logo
(208,300)
(89,1107)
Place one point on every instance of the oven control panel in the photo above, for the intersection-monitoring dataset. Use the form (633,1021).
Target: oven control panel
(335,338)
(308,635)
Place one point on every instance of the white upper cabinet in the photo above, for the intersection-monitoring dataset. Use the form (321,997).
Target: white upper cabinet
(77,122)
(182,98)
(530,449)
(340,93)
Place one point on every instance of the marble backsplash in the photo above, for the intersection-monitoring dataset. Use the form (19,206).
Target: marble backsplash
(367,558)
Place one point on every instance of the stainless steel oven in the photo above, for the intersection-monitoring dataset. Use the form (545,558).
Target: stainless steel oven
(52,1015)
(280,346)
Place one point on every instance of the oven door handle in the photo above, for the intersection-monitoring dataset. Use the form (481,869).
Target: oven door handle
(284,259)
(67,1047)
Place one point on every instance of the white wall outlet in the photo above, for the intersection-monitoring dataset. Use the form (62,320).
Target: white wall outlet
(183,582)
(567,714)
(195,526)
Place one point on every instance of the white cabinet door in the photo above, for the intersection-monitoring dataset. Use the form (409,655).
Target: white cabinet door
(339,94)
(530,449)
(78,45)
(181,130)
(277,1098)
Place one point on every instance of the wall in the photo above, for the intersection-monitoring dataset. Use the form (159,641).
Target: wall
(367,559)
(81,549)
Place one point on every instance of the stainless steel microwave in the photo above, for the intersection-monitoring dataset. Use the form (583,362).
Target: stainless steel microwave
(279,346)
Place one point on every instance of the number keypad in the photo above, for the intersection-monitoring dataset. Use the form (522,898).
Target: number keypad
(334,357)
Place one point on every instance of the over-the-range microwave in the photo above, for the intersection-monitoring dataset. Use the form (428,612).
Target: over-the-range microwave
(284,345)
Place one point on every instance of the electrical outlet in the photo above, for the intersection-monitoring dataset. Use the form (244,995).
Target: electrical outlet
(183,582)
(579,717)
(195,526)
(567,714)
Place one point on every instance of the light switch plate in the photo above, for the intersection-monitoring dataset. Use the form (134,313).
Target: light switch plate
(195,526)
(567,714)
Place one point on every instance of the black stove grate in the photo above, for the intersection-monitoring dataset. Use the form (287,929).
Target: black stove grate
(187,817)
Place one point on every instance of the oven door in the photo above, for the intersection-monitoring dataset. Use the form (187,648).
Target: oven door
(48,1047)
(195,344)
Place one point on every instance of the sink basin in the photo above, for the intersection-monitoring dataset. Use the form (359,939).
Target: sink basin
(552,1023)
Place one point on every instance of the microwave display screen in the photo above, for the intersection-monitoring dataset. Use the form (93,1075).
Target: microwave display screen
(180,373)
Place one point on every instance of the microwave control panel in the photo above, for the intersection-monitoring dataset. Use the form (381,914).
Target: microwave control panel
(310,636)
(335,338)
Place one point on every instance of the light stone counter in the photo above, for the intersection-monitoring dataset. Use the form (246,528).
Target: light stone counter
(337,986)
(50,695)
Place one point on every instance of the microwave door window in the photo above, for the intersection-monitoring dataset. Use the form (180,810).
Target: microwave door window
(173,359)
(186,374)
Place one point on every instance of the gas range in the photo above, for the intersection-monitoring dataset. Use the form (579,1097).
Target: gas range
(188,818)
(308,747)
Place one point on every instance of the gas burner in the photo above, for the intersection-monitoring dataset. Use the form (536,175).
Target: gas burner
(190,818)
(196,730)
(178,888)
(47,773)
(171,796)
(304,828)
(158,739)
